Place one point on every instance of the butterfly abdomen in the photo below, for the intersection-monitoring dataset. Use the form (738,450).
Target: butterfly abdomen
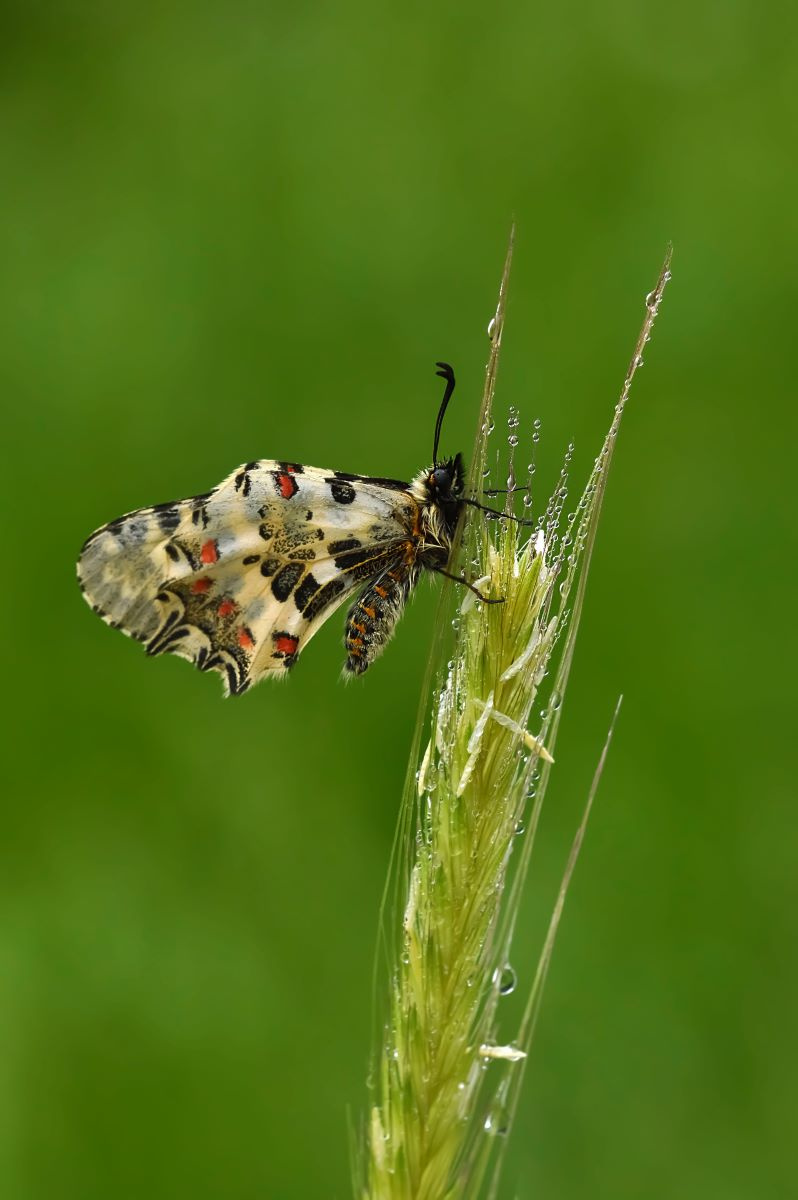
(372,618)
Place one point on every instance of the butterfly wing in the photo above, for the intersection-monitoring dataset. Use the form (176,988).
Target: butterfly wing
(239,579)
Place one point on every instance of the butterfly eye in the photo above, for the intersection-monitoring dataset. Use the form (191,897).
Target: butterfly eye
(442,479)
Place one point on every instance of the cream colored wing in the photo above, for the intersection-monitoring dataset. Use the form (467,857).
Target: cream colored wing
(239,579)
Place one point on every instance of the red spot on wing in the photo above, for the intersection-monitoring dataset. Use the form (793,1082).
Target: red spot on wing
(201,585)
(245,639)
(287,486)
(285,643)
(226,608)
(209,552)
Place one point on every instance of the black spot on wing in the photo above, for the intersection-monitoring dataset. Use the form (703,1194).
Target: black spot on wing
(269,566)
(249,559)
(165,643)
(343,544)
(306,591)
(342,491)
(236,680)
(228,665)
(323,597)
(167,516)
(286,580)
(199,513)
(177,550)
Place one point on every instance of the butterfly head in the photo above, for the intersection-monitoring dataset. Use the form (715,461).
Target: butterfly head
(445,480)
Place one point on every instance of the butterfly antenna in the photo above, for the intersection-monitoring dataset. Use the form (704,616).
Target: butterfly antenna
(446,373)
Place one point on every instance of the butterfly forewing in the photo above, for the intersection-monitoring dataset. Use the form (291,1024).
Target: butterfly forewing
(239,579)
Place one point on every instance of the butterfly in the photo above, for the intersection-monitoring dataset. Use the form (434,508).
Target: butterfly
(239,579)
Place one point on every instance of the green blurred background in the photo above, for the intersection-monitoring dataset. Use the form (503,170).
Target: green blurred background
(242,230)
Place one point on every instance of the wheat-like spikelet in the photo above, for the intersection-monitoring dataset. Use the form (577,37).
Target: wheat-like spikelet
(444,1083)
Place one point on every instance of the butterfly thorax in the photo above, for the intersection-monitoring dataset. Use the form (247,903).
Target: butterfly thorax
(439,491)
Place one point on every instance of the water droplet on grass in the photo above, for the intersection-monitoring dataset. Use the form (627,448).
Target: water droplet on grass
(504,980)
(497,1122)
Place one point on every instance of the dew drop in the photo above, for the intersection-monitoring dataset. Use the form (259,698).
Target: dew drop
(492,328)
(513,440)
(497,1122)
(519,827)
(504,979)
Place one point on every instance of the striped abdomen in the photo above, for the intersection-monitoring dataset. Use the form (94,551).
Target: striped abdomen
(372,618)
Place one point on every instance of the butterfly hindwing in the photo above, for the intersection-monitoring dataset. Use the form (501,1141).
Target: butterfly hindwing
(239,579)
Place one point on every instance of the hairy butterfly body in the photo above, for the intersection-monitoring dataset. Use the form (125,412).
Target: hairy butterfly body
(239,579)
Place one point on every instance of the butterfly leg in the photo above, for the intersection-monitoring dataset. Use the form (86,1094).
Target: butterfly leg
(462,579)
(495,512)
